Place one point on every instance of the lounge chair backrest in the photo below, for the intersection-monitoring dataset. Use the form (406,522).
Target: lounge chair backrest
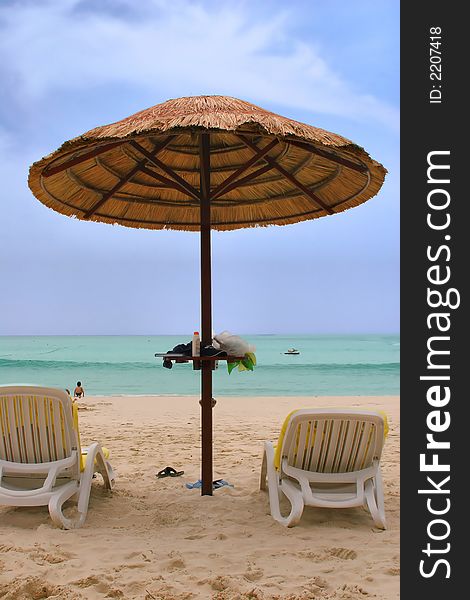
(35,427)
(328,441)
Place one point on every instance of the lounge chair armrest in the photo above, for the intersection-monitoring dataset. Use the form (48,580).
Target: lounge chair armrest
(47,486)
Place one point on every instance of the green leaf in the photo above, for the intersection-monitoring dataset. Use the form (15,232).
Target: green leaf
(248,363)
(231,366)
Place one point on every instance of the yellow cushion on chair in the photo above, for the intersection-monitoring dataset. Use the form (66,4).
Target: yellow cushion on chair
(277,451)
(83,453)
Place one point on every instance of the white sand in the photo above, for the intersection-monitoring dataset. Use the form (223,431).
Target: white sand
(154,539)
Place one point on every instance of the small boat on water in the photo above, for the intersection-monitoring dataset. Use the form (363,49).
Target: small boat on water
(292,351)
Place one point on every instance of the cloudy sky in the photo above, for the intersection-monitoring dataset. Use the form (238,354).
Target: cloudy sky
(69,65)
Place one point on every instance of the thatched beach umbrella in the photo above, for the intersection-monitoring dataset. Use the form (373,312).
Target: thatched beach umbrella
(202,163)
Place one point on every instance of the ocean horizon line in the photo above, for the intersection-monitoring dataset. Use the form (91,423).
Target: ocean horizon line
(289,334)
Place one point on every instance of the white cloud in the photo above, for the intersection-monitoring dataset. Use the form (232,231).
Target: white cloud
(174,48)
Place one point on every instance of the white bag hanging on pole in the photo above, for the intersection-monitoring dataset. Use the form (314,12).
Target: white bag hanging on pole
(233,344)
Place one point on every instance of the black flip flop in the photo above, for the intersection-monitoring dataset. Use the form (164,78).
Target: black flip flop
(169,472)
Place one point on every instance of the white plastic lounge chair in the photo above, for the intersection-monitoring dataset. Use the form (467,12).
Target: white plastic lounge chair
(326,458)
(41,462)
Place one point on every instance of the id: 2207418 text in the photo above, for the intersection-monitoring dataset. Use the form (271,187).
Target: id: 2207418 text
(435,65)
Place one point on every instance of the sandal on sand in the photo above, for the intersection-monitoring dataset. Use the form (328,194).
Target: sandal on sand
(216,484)
(196,485)
(169,472)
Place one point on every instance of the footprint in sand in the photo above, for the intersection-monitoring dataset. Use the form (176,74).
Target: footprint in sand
(128,565)
(139,555)
(172,516)
(220,583)
(167,591)
(253,574)
(175,564)
(42,556)
(86,581)
(342,553)
(176,561)
(350,592)
(115,593)
(319,581)
(108,590)
(327,553)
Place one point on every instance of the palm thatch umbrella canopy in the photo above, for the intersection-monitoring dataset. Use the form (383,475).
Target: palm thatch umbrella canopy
(144,171)
(202,163)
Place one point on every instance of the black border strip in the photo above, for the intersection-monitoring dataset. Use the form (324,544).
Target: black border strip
(433,130)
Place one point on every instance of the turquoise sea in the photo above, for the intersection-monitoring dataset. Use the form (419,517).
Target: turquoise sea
(365,365)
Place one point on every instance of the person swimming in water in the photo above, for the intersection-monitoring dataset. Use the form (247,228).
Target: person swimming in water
(79,392)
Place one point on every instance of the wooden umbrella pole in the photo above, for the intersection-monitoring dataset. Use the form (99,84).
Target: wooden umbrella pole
(206,315)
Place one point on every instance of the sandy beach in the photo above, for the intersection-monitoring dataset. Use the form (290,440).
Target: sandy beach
(155,539)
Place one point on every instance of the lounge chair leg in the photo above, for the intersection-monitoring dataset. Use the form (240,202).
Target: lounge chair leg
(56,503)
(95,462)
(275,490)
(375,503)
(262,482)
(104,468)
(380,497)
(297,504)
